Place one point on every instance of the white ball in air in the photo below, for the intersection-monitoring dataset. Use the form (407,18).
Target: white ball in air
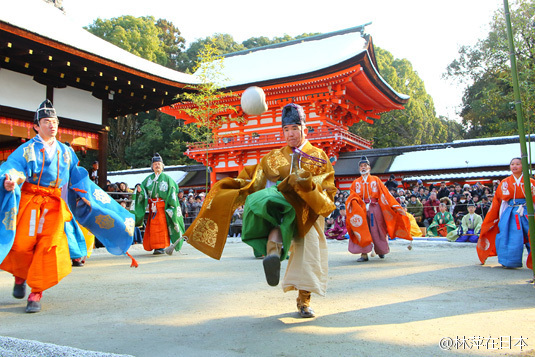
(253,101)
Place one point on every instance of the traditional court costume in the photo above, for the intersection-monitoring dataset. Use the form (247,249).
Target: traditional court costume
(39,216)
(372,213)
(504,231)
(165,223)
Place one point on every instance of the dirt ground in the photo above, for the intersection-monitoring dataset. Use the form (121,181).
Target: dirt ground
(191,305)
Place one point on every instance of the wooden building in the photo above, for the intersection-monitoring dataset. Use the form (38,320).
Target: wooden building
(45,55)
(334,76)
(462,161)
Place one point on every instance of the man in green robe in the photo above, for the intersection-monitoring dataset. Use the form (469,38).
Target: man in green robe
(470,226)
(164,222)
(443,224)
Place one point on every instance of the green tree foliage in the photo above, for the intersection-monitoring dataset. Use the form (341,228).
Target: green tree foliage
(156,132)
(485,67)
(417,123)
(221,43)
(171,42)
(208,110)
(133,139)
(137,35)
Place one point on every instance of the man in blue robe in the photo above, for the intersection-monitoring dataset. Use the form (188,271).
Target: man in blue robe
(43,192)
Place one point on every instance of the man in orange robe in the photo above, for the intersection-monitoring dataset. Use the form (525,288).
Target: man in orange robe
(372,213)
(505,229)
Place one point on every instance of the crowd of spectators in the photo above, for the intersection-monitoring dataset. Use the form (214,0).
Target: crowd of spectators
(190,203)
(423,201)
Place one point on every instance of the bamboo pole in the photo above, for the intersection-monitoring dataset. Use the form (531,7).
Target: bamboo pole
(521,131)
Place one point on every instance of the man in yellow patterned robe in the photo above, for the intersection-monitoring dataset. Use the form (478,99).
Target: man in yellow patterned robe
(294,189)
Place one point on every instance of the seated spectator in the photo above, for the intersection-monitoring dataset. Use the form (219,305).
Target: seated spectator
(339,229)
(426,193)
(415,207)
(483,208)
(454,201)
(470,226)
(495,185)
(423,194)
(430,208)
(448,203)
(460,208)
(401,193)
(329,221)
(236,223)
(415,230)
(391,184)
(443,223)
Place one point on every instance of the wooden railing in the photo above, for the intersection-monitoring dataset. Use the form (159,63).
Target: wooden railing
(250,140)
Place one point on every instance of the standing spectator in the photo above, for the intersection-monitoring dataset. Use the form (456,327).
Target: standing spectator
(190,205)
(182,202)
(430,208)
(443,191)
(196,206)
(415,207)
(164,223)
(391,184)
(93,175)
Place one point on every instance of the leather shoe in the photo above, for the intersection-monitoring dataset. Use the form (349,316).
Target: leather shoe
(362,259)
(77,262)
(382,256)
(19,291)
(272,269)
(306,312)
(33,306)
(159,251)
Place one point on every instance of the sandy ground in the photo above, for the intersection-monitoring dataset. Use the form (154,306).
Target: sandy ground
(191,305)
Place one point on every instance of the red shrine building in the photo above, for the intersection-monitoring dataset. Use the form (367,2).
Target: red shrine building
(335,78)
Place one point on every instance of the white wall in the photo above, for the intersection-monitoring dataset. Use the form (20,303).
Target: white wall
(77,104)
(20,91)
